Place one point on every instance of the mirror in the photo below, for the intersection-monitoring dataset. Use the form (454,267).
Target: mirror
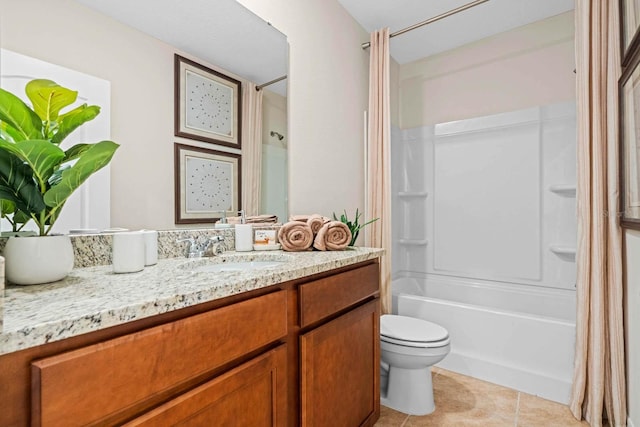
(131,46)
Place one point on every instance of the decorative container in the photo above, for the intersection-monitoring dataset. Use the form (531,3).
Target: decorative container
(38,259)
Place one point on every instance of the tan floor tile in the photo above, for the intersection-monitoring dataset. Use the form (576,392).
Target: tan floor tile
(435,370)
(466,401)
(390,418)
(535,411)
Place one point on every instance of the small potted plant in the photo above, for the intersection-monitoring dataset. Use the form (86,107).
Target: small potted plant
(354,226)
(37,176)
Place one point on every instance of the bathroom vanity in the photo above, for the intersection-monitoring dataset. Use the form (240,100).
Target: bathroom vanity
(297,344)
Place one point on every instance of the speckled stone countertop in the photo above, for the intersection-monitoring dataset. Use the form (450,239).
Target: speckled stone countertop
(94,298)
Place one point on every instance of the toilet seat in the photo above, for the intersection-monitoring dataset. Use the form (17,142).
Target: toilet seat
(412,332)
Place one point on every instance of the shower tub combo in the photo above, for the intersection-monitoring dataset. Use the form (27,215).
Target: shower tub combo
(484,243)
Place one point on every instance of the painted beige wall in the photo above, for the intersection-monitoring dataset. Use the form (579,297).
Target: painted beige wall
(327,89)
(274,117)
(528,66)
(73,36)
(632,323)
(327,93)
(274,200)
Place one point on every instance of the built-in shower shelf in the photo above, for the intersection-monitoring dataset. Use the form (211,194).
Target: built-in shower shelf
(413,242)
(567,190)
(407,194)
(563,250)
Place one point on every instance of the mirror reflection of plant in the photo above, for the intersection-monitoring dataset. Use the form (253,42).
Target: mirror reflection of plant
(354,226)
(36,175)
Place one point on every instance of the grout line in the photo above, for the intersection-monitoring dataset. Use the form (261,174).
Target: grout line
(405,421)
(517,410)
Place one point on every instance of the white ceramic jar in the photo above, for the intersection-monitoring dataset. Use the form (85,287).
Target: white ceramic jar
(128,252)
(38,259)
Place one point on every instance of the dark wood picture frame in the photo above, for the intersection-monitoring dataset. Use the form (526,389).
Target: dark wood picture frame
(207,104)
(629,28)
(207,182)
(629,135)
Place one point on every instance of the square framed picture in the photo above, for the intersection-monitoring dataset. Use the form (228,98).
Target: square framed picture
(630,23)
(207,104)
(629,150)
(207,183)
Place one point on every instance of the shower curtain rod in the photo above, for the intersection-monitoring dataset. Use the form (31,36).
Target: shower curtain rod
(272,81)
(434,19)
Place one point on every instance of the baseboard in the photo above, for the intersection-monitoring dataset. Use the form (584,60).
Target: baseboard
(546,387)
(629,422)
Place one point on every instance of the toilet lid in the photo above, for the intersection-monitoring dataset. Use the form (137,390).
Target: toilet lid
(410,329)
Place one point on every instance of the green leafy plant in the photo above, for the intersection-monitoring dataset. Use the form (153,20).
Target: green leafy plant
(354,226)
(36,175)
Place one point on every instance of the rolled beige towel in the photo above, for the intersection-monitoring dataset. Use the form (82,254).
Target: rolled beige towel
(333,236)
(295,236)
(301,218)
(316,222)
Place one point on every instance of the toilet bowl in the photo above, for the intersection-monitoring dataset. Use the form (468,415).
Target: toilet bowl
(408,349)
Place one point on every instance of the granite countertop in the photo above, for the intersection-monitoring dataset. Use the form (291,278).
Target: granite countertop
(95,298)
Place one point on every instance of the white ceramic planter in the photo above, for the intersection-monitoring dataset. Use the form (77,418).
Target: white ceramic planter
(37,260)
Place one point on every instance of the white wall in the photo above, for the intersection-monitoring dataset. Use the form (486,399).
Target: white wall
(327,90)
(632,324)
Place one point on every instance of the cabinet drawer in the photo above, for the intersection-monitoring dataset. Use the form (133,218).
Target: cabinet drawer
(324,297)
(95,383)
(253,394)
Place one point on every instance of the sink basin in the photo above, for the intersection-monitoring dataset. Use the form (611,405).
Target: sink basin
(235,262)
(238,266)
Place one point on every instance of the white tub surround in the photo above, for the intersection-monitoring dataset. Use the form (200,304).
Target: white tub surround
(526,349)
(489,198)
(95,298)
(485,226)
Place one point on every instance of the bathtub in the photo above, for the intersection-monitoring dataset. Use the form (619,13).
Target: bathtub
(517,336)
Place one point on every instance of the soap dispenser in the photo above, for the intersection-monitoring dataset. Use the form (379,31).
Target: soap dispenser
(244,235)
(223,223)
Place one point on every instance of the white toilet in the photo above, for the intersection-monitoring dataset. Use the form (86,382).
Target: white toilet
(408,349)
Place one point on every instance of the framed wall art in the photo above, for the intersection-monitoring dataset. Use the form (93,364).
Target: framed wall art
(207,104)
(207,182)
(630,23)
(629,150)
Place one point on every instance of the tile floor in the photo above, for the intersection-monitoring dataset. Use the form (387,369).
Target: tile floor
(466,401)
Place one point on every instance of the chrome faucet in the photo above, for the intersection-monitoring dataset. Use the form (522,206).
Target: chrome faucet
(197,250)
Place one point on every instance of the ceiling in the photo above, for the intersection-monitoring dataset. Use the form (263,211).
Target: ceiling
(478,22)
(256,51)
(221,32)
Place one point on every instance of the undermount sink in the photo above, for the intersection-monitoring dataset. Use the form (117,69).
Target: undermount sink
(236,262)
(238,266)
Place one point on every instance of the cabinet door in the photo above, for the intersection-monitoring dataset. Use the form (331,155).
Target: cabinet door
(341,369)
(253,394)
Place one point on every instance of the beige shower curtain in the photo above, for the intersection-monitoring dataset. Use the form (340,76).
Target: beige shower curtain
(599,369)
(251,148)
(378,185)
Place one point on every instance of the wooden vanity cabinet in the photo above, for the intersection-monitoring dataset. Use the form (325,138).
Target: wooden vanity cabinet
(340,349)
(301,353)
